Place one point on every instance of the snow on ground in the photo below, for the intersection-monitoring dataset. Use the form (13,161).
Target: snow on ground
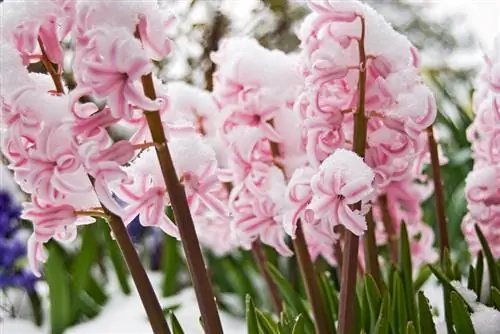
(125,315)
(434,292)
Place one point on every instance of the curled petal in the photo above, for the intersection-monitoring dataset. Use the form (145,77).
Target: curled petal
(351,220)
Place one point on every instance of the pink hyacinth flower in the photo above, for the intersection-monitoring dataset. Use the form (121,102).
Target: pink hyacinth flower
(343,180)
(50,221)
(113,64)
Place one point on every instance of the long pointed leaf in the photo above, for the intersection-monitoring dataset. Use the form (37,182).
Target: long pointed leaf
(60,294)
(426,324)
(176,326)
(406,268)
(461,316)
(252,324)
(492,268)
(290,296)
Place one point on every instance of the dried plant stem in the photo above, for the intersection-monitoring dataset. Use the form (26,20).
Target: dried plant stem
(392,238)
(261,260)
(371,256)
(351,244)
(201,283)
(438,193)
(310,282)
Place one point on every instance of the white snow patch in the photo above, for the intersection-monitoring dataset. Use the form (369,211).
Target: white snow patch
(125,315)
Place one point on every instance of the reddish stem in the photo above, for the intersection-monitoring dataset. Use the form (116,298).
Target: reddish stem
(310,282)
(438,193)
(182,214)
(351,245)
(50,69)
(390,229)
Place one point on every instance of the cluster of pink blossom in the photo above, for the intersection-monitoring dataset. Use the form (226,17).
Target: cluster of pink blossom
(269,147)
(57,139)
(398,106)
(482,189)
(254,88)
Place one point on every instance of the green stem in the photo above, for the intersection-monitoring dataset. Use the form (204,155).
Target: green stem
(182,214)
(351,244)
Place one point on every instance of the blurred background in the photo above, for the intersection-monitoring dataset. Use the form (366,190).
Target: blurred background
(81,280)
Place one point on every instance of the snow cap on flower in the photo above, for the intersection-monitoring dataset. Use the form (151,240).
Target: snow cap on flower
(190,153)
(246,62)
(343,179)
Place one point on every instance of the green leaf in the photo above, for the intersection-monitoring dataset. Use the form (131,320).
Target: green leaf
(96,292)
(290,296)
(176,326)
(495,298)
(117,260)
(266,323)
(448,312)
(299,326)
(171,308)
(364,308)
(398,308)
(446,282)
(410,328)
(252,324)
(170,265)
(36,305)
(492,268)
(382,324)
(406,268)
(330,298)
(422,278)
(59,291)
(82,264)
(358,325)
(471,279)
(87,306)
(461,316)
(81,273)
(426,324)
(447,265)
(374,299)
(479,274)
(286,321)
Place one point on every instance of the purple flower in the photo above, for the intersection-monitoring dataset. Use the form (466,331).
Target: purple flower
(12,251)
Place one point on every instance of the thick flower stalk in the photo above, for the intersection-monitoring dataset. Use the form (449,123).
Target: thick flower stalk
(363,95)
(397,105)
(482,189)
